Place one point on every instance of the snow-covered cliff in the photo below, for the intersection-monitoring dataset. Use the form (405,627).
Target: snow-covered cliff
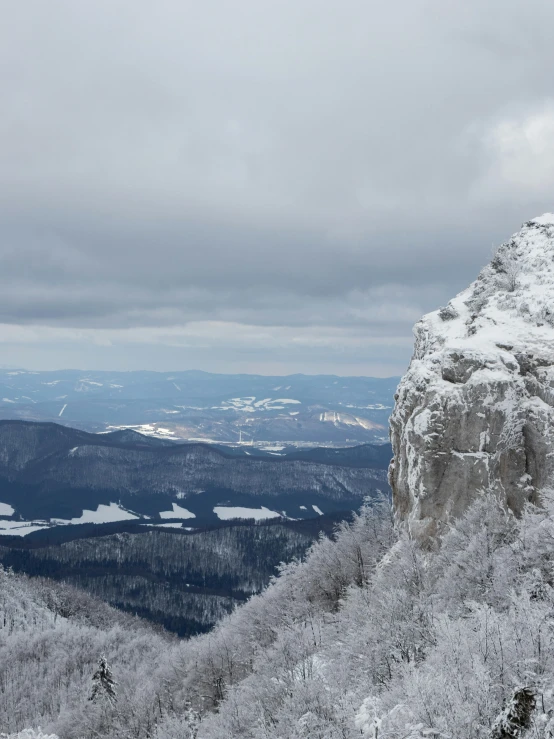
(475,410)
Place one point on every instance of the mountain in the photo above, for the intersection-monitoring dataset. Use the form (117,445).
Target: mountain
(373,633)
(297,409)
(68,476)
(475,411)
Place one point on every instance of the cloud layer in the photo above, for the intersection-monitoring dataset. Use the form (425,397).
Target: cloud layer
(259,186)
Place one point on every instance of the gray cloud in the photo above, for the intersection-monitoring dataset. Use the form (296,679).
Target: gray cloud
(243,176)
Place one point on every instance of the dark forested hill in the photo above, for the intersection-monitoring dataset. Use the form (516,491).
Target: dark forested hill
(185,581)
(54,473)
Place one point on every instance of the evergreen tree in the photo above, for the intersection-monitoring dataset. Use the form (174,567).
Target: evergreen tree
(103,684)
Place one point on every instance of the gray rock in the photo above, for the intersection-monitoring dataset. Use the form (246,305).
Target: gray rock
(475,410)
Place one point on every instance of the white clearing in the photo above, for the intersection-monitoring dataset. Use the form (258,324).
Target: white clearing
(226,513)
(19,528)
(103,514)
(317,510)
(177,512)
(303,508)
(6,509)
(175,525)
(62,410)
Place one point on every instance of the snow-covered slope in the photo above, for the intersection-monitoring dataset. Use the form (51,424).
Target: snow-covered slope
(475,410)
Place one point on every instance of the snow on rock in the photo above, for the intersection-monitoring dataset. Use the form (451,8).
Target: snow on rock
(475,410)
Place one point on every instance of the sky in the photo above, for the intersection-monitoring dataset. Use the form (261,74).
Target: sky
(266,186)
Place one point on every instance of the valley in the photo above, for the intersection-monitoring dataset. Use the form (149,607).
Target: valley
(251,410)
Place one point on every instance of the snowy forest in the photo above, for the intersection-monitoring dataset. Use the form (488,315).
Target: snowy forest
(371,635)
(185,581)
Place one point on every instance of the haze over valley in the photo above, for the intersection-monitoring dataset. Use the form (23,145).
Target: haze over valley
(296,410)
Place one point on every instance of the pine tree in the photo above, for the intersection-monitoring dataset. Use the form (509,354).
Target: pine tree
(103,684)
(516,717)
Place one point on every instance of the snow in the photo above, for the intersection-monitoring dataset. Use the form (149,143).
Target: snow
(20,528)
(72,451)
(103,514)
(317,510)
(7,400)
(249,404)
(347,419)
(521,316)
(6,509)
(174,525)
(303,508)
(147,429)
(226,513)
(177,386)
(177,512)
(62,410)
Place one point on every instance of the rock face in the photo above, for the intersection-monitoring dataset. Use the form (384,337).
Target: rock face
(475,410)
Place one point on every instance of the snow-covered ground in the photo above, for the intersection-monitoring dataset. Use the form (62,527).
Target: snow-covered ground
(226,513)
(147,429)
(21,528)
(6,509)
(103,514)
(177,512)
(250,404)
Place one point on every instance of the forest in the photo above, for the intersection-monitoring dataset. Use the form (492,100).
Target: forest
(184,580)
(370,635)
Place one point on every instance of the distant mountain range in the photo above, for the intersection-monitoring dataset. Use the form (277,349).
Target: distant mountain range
(192,405)
(54,475)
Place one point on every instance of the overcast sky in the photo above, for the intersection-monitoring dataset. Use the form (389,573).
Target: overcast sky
(268,186)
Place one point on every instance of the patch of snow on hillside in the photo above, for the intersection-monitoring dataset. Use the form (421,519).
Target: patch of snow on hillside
(103,514)
(262,402)
(20,528)
(7,400)
(317,510)
(226,513)
(6,509)
(147,429)
(177,512)
(63,409)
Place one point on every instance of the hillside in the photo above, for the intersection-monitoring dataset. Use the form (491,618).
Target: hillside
(67,476)
(369,637)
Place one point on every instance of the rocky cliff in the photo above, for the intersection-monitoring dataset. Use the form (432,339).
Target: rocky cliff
(475,410)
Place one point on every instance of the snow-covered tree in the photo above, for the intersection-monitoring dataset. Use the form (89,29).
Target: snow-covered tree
(103,684)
